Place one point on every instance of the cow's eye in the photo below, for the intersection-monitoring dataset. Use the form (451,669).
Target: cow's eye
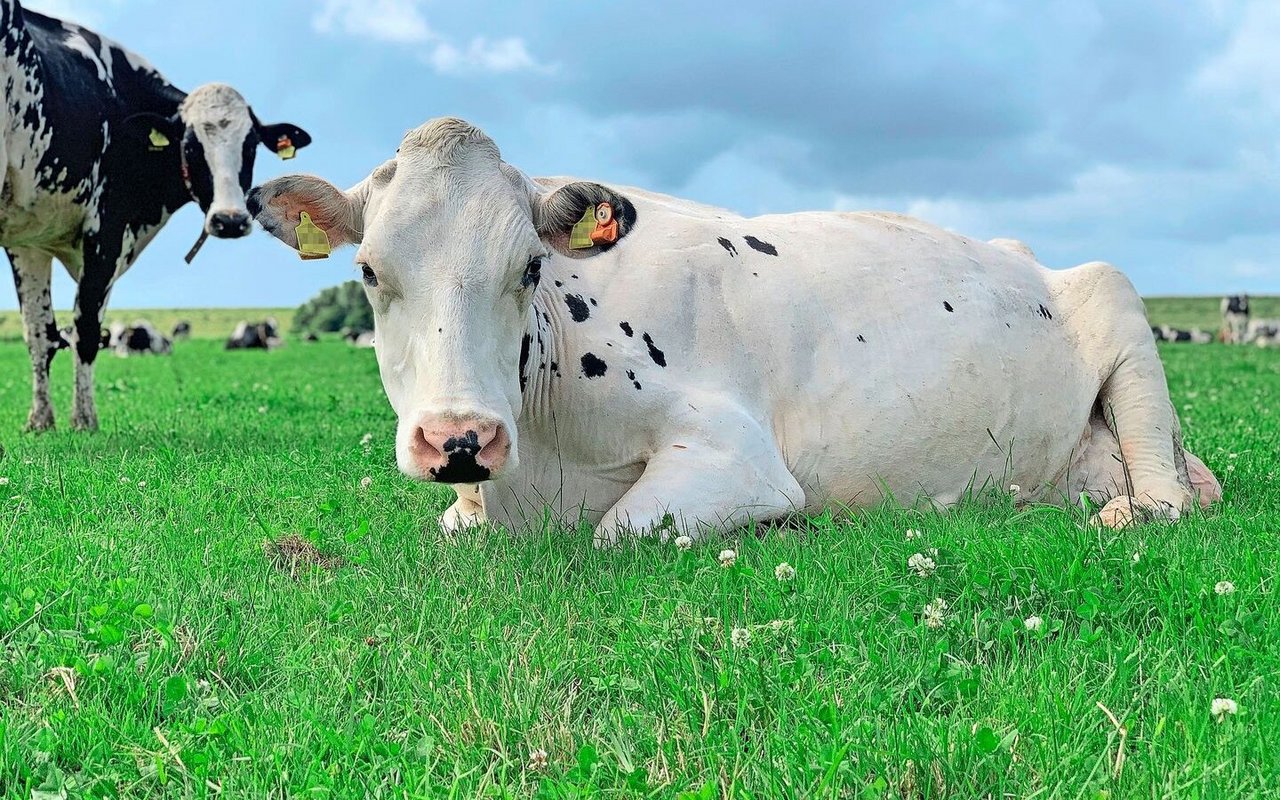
(532,272)
(370,279)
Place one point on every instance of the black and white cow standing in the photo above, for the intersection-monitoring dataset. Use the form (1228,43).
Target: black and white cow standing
(97,151)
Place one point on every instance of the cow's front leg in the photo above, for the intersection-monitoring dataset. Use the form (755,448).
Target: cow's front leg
(32,272)
(91,303)
(713,480)
(466,512)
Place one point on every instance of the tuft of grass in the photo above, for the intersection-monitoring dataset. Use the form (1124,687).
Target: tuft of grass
(151,646)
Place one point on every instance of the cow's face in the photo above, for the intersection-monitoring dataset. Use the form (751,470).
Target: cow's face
(451,247)
(218,136)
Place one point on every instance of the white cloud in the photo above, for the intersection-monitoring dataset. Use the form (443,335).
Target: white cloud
(500,55)
(398,21)
(402,22)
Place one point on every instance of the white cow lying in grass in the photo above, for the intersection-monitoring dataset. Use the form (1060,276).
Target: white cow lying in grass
(559,345)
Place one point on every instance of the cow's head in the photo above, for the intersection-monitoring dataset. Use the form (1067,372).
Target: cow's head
(452,242)
(217,135)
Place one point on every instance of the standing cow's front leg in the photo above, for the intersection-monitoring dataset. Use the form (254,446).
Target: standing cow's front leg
(100,268)
(719,477)
(32,272)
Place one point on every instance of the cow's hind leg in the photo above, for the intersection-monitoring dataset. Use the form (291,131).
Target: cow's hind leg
(91,303)
(1134,398)
(720,478)
(32,273)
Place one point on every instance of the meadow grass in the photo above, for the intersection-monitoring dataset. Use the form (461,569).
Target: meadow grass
(151,646)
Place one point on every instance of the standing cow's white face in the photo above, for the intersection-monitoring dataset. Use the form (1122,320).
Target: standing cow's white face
(451,247)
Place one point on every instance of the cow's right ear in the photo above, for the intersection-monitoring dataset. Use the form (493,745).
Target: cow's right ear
(279,205)
(583,219)
(156,132)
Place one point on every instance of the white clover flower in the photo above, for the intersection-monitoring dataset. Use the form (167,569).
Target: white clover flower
(125,479)
(1033,623)
(4,481)
(684,542)
(366,482)
(934,615)
(1137,556)
(262,409)
(1224,587)
(142,484)
(740,637)
(538,760)
(1223,707)
(784,572)
(728,558)
(922,564)
(364,442)
(1015,489)
(914,534)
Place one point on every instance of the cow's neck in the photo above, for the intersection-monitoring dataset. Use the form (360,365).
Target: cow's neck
(541,350)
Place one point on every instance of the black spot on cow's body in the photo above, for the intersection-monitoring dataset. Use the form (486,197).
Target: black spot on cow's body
(559,284)
(728,246)
(577,307)
(1044,312)
(759,246)
(626,328)
(524,361)
(947,306)
(593,302)
(657,355)
(575,277)
(862,338)
(631,376)
(593,366)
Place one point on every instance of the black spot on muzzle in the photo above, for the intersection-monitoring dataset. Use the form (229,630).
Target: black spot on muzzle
(461,466)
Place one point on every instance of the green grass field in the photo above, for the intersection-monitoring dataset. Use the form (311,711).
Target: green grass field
(153,643)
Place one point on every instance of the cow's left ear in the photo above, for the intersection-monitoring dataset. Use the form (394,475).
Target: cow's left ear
(284,138)
(583,219)
(154,131)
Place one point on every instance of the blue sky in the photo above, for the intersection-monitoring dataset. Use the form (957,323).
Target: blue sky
(1143,133)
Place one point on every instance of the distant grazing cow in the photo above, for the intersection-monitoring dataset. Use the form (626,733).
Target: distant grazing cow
(1235,318)
(1158,333)
(362,339)
(182,330)
(1193,336)
(97,150)
(311,337)
(641,360)
(1262,329)
(142,338)
(255,336)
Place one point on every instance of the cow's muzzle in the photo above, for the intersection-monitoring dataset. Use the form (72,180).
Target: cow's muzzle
(453,449)
(229,224)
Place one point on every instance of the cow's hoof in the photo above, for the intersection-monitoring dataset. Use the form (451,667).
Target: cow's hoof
(1123,511)
(85,422)
(461,515)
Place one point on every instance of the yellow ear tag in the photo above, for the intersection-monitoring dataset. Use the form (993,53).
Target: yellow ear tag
(313,242)
(158,140)
(285,148)
(580,236)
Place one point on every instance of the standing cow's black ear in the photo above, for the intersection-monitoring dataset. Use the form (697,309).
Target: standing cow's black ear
(583,219)
(284,138)
(155,131)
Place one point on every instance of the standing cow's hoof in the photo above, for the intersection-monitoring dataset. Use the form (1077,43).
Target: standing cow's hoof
(1123,511)
(85,422)
(40,420)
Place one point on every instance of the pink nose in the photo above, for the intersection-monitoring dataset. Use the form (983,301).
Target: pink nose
(452,449)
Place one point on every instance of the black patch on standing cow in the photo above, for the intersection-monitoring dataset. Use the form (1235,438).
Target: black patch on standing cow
(631,375)
(593,366)
(577,307)
(759,246)
(1044,312)
(862,339)
(657,355)
(947,306)
(626,328)
(728,246)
